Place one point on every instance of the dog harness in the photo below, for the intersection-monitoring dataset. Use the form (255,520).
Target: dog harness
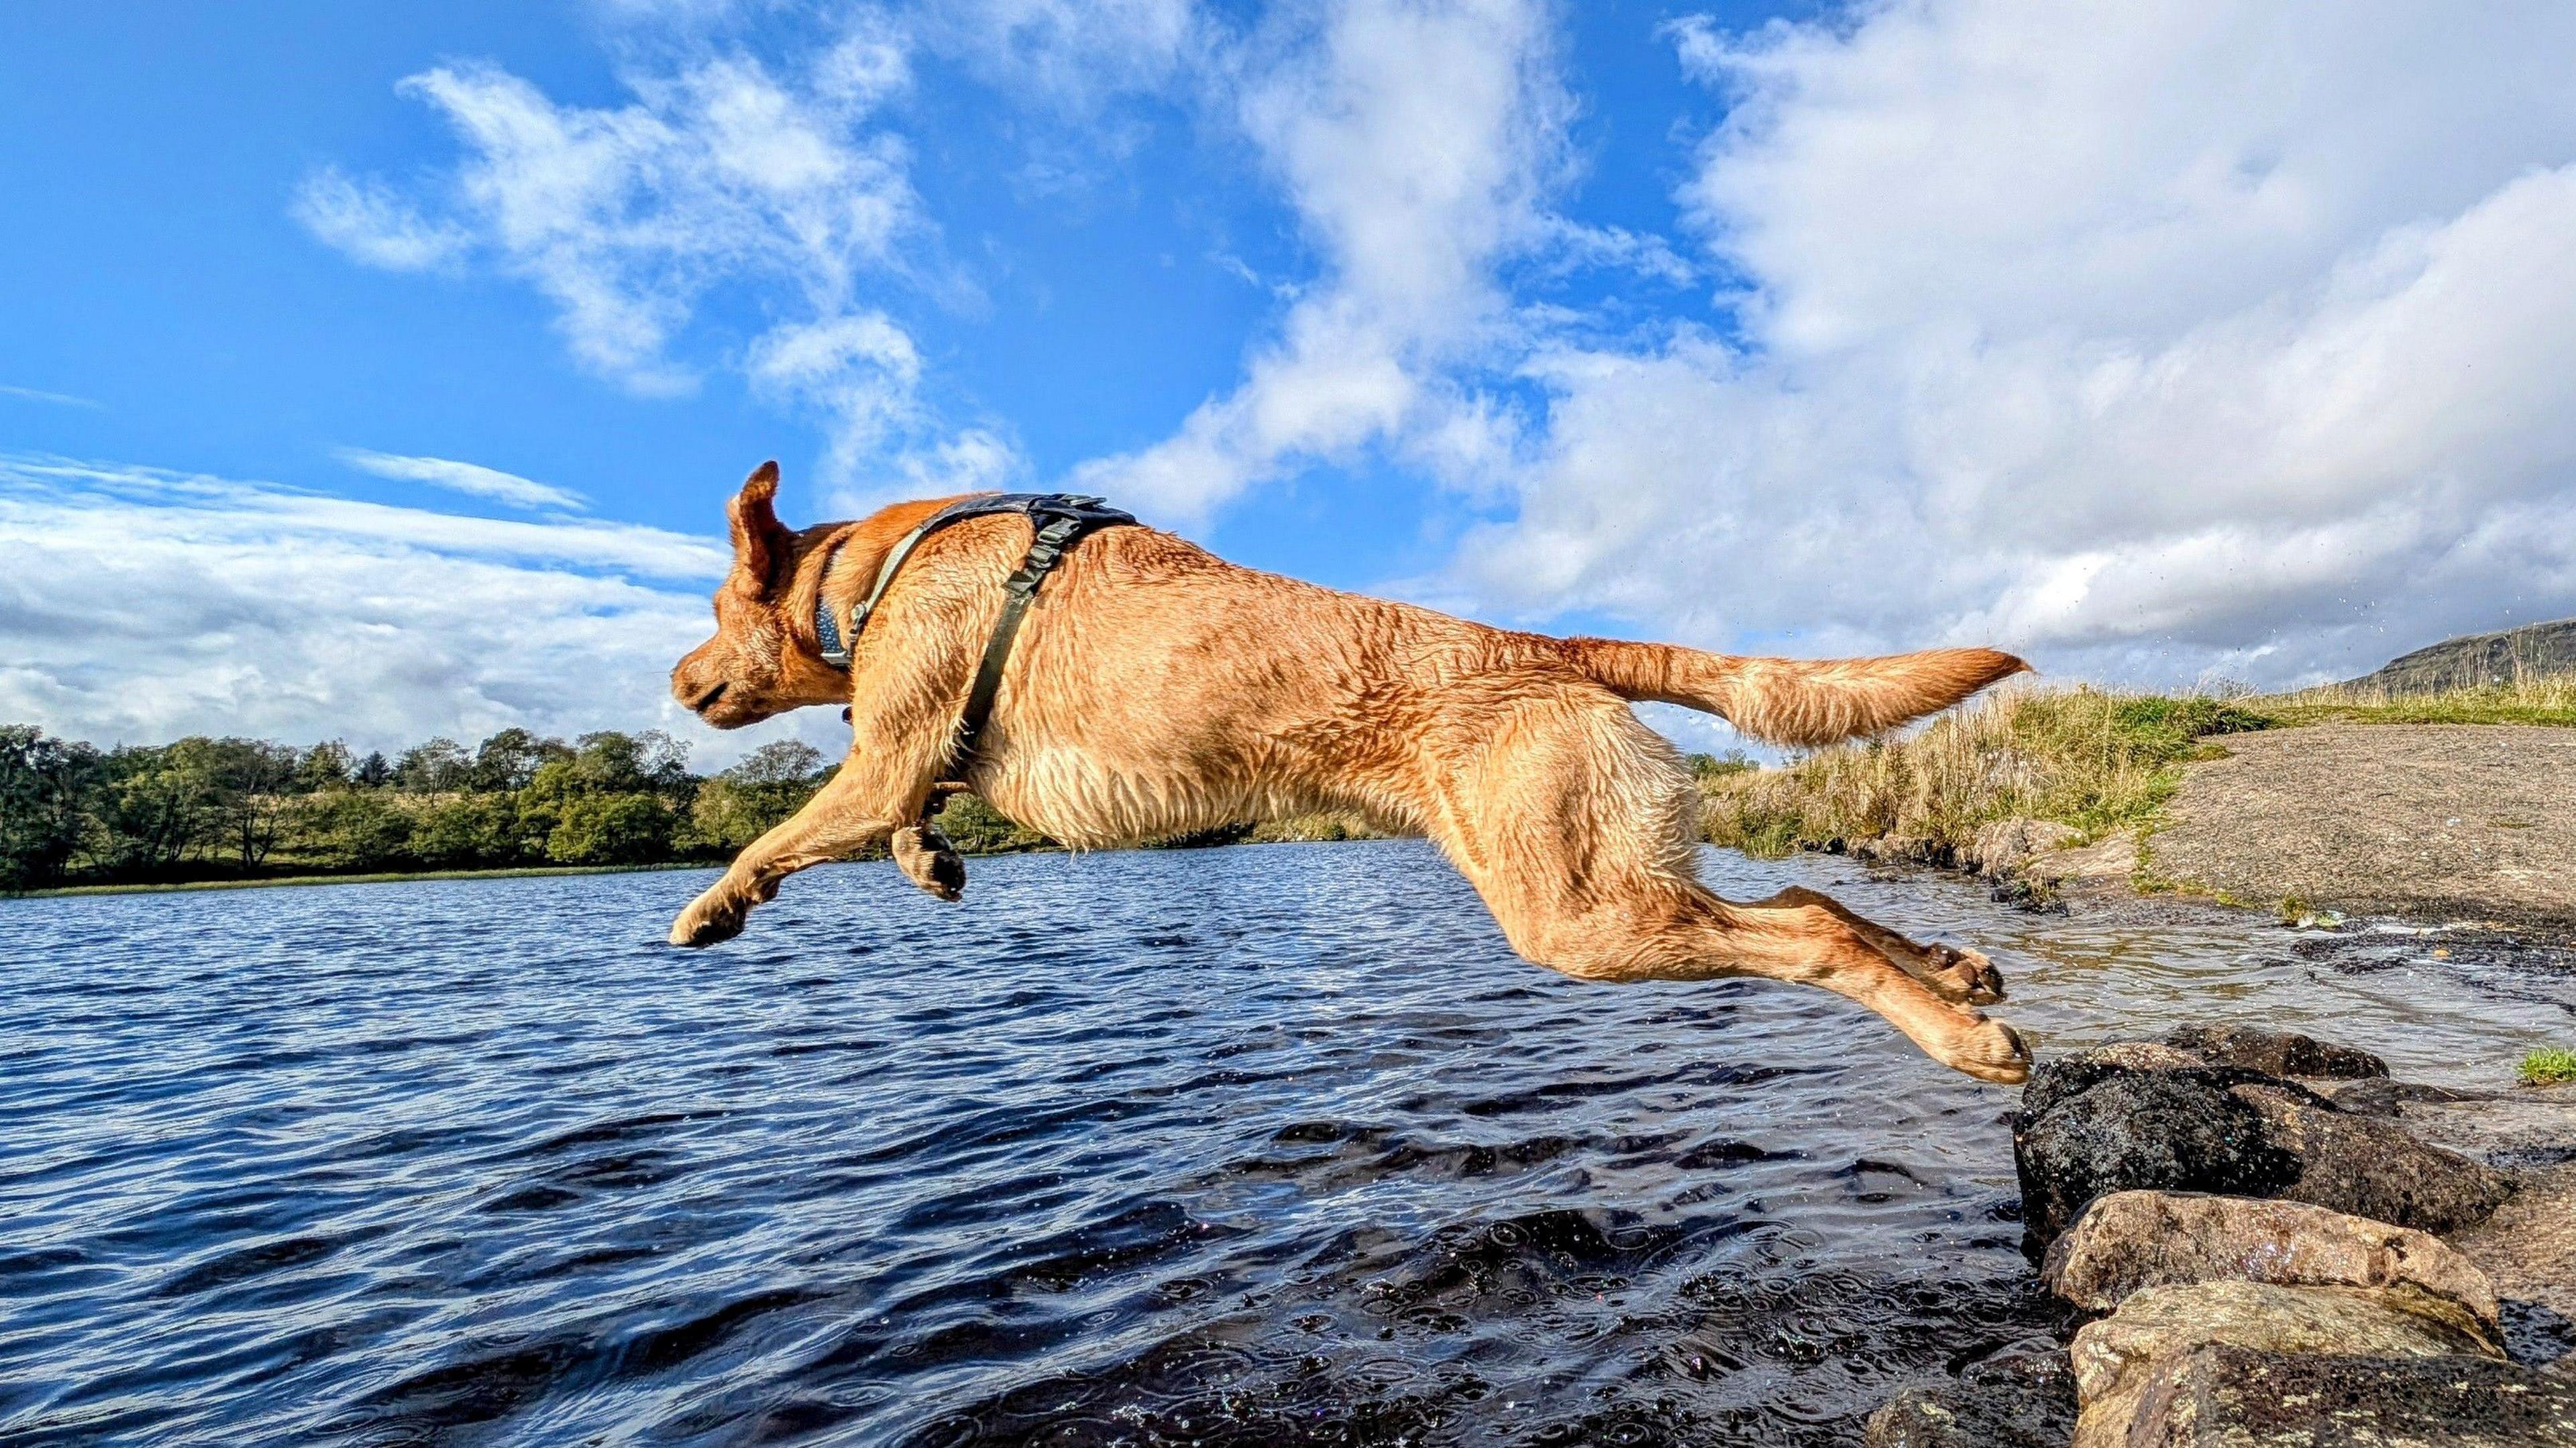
(1059,521)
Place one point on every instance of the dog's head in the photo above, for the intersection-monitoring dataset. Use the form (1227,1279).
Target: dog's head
(763,659)
(756,666)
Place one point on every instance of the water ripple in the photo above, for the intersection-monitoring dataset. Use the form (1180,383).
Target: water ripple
(1230,1147)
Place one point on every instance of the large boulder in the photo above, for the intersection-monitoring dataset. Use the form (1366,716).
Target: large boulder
(2117,1359)
(2223,1396)
(2129,1129)
(2021,1397)
(2128,1241)
(2145,1115)
(2275,1053)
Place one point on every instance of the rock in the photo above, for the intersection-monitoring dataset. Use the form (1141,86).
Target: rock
(2372,1167)
(2063,1077)
(2117,1359)
(2275,1053)
(2379,1096)
(2224,1396)
(2112,860)
(2022,1397)
(2128,1241)
(2125,1117)
(2004,846)
(2139,1129)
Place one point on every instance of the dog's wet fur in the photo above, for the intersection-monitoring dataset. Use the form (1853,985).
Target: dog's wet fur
(1157,690)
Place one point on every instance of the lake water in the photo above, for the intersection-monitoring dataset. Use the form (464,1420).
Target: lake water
(1247,1146)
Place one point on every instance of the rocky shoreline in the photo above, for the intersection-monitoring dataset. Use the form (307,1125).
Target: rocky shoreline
(2265,1242)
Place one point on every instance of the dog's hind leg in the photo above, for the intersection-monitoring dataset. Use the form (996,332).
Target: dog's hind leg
(1952,973)
(1576,824)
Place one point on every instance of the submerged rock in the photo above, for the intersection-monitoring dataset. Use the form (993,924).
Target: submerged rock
(2275,1053)
(2132,1240)
(2022,1397)
(2225,1396)
(2118,1359)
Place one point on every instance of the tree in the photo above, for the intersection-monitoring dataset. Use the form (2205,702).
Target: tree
(743,803)
(350,829)
(45,789)
(471,830)
(327,765)
(372,772)
(153,806)
(244,783)
(437,766)
(510,759)
(779,762)
(611,829)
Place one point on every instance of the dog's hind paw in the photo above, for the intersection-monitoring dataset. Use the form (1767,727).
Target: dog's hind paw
(1990,1051)
(1963,977)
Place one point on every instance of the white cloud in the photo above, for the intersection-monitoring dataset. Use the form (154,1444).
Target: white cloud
(468,478)
(2172,337)
(59,399)
(371,223)
(1418,141)
(141,605)
(721,170)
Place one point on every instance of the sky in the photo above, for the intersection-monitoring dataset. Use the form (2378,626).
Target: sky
(373,372)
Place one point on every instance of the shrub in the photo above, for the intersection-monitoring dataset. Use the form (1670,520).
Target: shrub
(611,829)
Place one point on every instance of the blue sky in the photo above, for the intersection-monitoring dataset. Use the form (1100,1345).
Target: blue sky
(379,370)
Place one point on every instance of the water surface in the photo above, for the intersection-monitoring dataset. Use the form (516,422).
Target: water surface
(1247,1146)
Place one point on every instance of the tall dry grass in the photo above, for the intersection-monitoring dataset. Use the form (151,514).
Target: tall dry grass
(2095,759)
(2087,757)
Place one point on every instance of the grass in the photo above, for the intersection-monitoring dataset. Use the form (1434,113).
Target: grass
(2095,760)
(2082,757)
(2549,1066)
(388,877)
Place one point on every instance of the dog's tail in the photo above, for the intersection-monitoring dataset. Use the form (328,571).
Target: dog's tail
(1794,701)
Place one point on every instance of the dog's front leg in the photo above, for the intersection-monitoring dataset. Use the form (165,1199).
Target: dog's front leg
(859,808)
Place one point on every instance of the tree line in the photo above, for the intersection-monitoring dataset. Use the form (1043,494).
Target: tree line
(204,808)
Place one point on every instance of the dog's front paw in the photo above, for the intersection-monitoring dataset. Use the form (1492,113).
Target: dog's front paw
(708,919)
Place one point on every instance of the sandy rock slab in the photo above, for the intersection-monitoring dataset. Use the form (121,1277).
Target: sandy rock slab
(2223,1396)
(2119,1359)
(2471,821)
(2129,1241)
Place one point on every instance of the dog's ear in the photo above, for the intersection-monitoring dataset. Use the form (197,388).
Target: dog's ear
(760,545)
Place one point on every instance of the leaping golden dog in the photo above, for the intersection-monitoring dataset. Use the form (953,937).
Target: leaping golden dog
(1154,689)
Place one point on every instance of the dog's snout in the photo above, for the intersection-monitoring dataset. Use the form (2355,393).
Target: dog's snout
(706,701)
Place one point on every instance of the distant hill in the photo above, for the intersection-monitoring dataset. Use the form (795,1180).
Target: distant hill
(2533,650)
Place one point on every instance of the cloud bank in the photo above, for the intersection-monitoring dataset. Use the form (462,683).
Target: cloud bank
(2174,338)
(142,605)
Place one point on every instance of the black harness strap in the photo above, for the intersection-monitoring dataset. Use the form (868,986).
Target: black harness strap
(1059,521)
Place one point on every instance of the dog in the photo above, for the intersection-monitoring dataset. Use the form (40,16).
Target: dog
(1156,689)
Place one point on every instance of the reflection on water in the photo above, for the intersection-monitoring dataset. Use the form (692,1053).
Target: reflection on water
(1241,1146)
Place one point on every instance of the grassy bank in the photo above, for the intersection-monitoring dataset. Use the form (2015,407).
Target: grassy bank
(2095,760)
(980,831)
(383,877)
